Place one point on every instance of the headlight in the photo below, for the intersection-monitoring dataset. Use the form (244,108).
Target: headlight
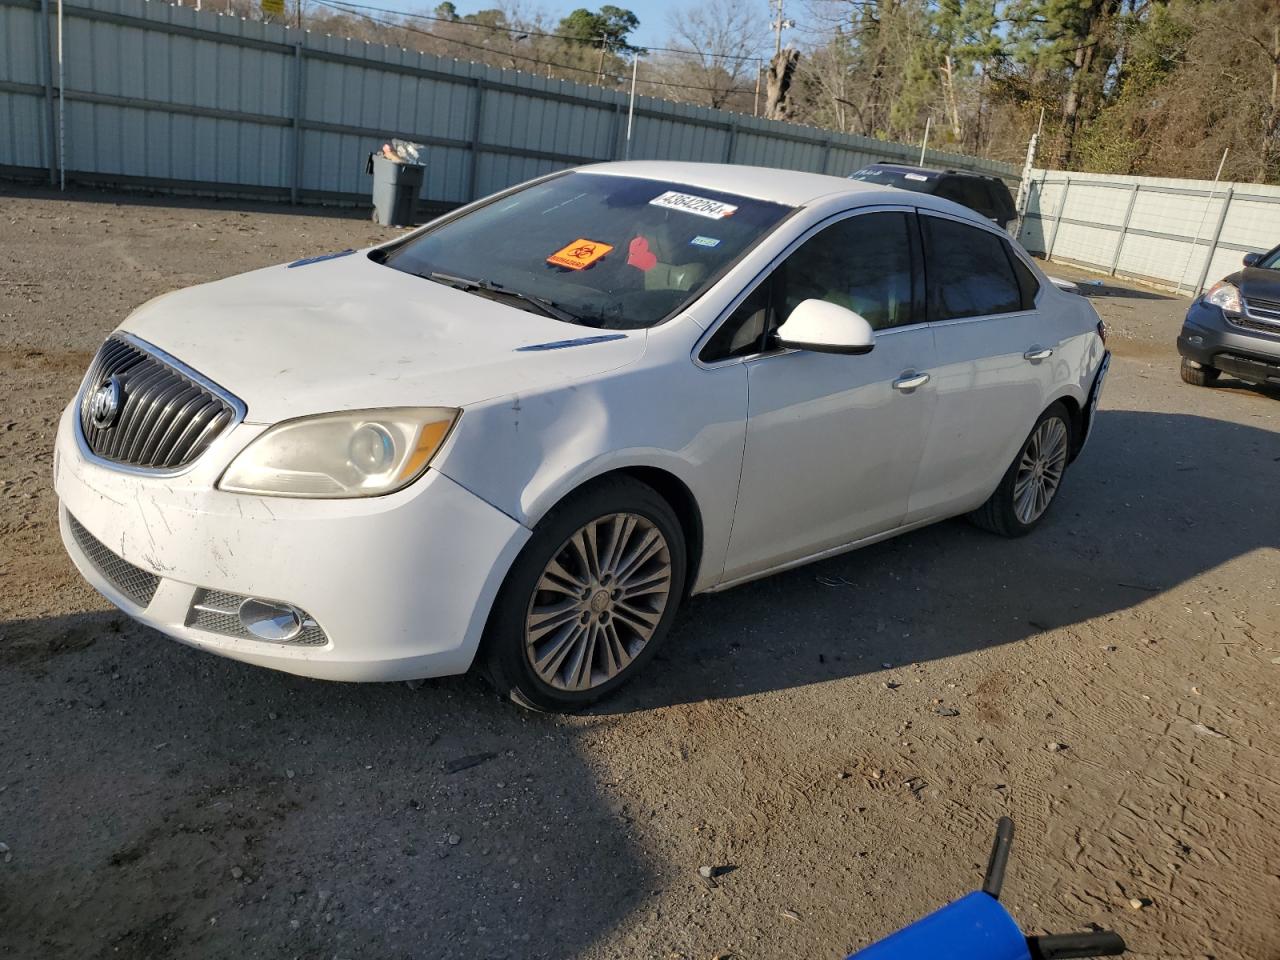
(360,453)
(1226,296)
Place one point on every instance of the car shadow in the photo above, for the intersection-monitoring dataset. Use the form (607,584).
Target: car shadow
(159,801)
(1154,500)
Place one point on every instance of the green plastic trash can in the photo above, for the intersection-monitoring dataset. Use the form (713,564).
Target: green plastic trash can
(395,191)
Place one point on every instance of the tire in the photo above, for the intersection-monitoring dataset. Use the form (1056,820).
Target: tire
(557,606)
(1198,376)
(1007,511)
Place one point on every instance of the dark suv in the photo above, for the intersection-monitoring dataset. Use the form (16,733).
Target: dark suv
(1234,327)
(987,195)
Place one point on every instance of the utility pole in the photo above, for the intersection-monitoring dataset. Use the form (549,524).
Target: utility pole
(779,24)
(604,40)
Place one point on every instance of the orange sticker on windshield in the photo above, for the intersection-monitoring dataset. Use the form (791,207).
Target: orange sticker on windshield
(579,254)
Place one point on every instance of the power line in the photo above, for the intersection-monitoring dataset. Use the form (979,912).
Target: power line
(618,78)
(535,33)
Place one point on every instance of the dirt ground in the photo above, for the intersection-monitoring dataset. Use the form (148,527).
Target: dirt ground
(160,802)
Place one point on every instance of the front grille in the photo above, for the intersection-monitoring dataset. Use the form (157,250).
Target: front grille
(1260,326)
(165,417)
(135,583)
(218,611)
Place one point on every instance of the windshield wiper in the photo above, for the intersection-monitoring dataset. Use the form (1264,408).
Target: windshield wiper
(546,307)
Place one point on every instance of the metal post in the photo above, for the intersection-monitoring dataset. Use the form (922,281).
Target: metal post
(1057,220)
(928,121)
(631,107)
(473,171)
(1213,244)
(295,181)
(1203,214)
(50,119)
(730,143)
(62,110)
(826,155)
(1128,214)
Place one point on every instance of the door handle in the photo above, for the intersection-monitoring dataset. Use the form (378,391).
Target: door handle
(1036,354)
(909,382)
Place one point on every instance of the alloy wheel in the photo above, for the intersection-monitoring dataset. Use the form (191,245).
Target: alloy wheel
(1040,470)
(598,602)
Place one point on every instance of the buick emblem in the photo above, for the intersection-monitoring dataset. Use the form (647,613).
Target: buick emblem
(104,406)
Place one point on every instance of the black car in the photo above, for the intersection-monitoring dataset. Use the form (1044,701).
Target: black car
(1234,327)
(987,195)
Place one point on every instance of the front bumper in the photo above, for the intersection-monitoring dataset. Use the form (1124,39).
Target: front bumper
(1208,338)
(400,585)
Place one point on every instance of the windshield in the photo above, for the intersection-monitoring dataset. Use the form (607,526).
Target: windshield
(1270,261)
(898,178)
(604,251)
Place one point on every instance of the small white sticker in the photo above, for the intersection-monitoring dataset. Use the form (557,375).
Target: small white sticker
(704,242)
(917,176)
(698,206)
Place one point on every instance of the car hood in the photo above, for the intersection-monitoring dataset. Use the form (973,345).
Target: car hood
(348,333)
(1256,283)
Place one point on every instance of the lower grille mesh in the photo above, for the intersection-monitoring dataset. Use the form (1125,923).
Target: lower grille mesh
(135,583)
(218,611)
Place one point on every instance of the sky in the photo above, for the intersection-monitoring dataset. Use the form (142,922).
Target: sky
(653,14)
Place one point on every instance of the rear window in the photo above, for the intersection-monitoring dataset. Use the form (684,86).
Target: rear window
(613,252)
(968,272)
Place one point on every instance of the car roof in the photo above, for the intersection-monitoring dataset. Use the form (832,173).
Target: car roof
(792,187)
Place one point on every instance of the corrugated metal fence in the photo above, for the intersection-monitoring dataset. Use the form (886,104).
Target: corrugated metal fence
(166,96)
(1182,234)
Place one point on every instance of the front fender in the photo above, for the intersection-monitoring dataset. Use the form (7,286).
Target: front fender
(525,453)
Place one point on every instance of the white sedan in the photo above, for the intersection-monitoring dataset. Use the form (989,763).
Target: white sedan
(521,435)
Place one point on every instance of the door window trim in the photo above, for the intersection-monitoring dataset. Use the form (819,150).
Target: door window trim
(917,282)
(1000,235)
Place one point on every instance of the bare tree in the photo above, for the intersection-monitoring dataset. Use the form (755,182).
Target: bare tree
(723,39)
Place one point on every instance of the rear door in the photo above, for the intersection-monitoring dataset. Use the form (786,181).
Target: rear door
(994,367)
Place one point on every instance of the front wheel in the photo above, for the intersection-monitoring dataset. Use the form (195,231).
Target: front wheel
(589,598)
(1031,483)
(1197,376)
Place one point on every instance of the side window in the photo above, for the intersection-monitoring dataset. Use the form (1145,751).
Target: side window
(968,271)
(863,263)
(1027,282)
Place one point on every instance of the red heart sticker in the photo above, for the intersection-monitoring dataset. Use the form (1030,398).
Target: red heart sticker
(639,255)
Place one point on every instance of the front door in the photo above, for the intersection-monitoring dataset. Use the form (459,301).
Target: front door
(833,441)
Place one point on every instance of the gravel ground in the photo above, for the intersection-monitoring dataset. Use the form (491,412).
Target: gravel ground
(1114,676)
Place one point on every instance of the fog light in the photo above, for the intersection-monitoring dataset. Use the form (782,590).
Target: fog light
(1195,341)
(268,620)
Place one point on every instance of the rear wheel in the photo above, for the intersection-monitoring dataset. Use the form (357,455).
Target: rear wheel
(1031,483)
(589,599)
(1199,376)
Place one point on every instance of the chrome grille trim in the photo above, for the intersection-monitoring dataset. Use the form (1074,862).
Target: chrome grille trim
(218,611)
(135,583)
(169,416)
(1268,311)
(1251,322)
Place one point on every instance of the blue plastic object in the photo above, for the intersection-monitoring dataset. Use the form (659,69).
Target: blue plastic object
(975,927)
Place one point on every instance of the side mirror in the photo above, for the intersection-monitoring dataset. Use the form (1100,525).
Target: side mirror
(1250,259)
(826,328)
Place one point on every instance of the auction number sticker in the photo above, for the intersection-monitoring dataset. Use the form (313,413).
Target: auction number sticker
(698,206)
(580,254)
